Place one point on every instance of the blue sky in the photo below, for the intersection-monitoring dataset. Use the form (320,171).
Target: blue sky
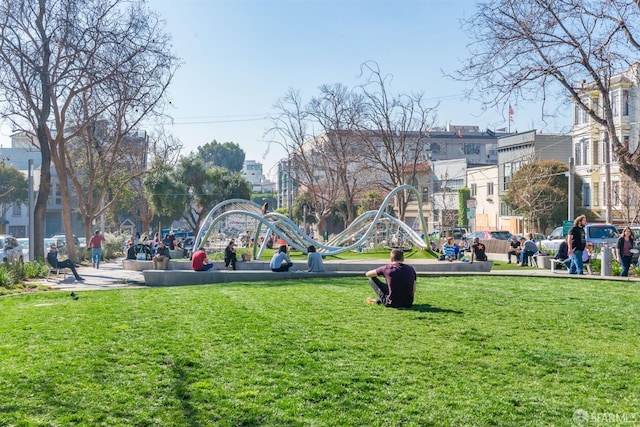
(240,56)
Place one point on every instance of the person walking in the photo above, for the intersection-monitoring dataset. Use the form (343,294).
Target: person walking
(400,286)
(576,243)
(623,249)
(96,248)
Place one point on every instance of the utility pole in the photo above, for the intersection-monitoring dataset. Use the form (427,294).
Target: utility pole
(607,179)
(571,202)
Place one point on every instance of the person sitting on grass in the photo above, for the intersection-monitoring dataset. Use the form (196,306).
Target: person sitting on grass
(400,286)
(478,251)
(199,261)
(280,261)
(52,259)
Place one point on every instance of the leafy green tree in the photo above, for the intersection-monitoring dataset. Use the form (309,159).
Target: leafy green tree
(14,188)
(228,155)
(370,201)
(539,192)
(464,194)
(191,189)
(300,203)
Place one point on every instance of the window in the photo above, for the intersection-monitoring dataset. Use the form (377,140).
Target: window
(625,141)
(615,101)
(473,148)
(577,153)
(17,209)
(596,153)
(615,193)
(625,102)
(596,194)
(474,190)
(489,188)
(586,195)
(585,151)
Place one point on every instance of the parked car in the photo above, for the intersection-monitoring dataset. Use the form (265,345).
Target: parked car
(63,238)
(10,249)
(490,234)
(596,234)
(24,243)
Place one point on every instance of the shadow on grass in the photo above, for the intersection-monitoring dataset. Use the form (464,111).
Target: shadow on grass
(427,308)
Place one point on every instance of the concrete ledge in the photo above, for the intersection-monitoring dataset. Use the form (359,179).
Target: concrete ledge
(182,278)
(262,272)
(133,265)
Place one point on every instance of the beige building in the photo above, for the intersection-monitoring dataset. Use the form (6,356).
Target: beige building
(592,151)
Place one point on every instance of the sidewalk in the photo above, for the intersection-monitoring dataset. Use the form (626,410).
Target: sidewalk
(110,275)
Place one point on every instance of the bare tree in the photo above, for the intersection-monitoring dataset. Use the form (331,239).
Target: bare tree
(540,49)
(313,171)
(55,55)
(626,194)
(395,131)
(338,112)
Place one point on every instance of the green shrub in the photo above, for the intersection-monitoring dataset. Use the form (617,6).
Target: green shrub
(36,269)
(7,276)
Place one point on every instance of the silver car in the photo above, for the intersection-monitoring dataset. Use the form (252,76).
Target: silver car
(598,235)
(10,249)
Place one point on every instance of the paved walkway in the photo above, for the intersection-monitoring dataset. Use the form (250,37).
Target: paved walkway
(111,275)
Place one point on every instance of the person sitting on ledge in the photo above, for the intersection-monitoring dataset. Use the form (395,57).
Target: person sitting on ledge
(514,249)
(280,261)
(161,258)
(199,261)
(314,260)
(478,251)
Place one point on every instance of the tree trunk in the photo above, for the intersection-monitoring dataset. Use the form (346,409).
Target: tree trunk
(40,209)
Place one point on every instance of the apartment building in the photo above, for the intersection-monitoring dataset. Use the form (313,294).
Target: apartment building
(593,152)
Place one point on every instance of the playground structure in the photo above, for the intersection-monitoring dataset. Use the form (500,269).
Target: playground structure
(237,215)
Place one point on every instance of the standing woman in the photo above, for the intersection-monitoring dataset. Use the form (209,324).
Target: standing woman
(625,244)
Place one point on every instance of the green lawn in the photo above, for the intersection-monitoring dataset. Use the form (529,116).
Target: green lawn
(474,350)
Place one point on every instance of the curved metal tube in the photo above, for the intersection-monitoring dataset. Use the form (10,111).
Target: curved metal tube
(283,227)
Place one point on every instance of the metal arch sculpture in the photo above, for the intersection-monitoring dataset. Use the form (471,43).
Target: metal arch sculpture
(283,227)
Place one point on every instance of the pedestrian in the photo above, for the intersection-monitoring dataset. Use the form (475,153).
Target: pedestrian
(95,244)
(623,249)
(400,286)
(576,243)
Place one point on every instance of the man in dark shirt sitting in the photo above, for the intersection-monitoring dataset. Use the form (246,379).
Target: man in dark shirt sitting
(401,282)
(478,251)
(514,249)
(52,259)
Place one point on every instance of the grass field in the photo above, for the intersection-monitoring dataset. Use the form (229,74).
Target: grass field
(474,350)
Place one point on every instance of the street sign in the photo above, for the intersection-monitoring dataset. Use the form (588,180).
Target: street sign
(471,203)
(566,226)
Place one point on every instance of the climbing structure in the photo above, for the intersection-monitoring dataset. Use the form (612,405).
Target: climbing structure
(235,216)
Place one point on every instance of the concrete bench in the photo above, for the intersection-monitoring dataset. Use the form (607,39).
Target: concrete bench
(182,278)
(133,265)
(260,271)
